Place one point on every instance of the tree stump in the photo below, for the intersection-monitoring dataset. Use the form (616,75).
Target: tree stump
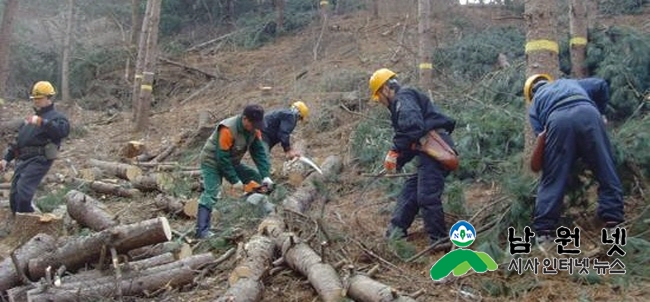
(133,149)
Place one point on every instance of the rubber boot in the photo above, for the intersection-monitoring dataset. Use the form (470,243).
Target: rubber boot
(203,217)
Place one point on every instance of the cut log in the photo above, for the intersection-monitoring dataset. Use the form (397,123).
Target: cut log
(79,251)
(169,204)
(173,274)
(191,208)
(308,191)
(303,259)
(159,181)
(106,188)
(89,212)
(123,171)
(133,149)
(364,289)
(246,279)
(298,256)
(19,294)
(9,276)
(144,157)
(154,250)
(91,174)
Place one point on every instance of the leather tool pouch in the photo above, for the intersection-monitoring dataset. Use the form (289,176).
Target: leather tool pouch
(51,151)
(438,149)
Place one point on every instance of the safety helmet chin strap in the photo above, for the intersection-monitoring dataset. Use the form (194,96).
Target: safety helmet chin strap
(296,111)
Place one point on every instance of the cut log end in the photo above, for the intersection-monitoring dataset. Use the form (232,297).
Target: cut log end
(166,228)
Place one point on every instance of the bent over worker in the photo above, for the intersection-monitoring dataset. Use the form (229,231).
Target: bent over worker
(413,115)
(280,124)
(570,113)
(221,158)
(35,147)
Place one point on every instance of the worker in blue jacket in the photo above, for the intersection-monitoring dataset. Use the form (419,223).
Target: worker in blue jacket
(571,115)
(279,124)
(413,115)
(35,147)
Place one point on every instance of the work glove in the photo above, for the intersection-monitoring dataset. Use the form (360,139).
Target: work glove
(604,119)
(251,186)
(34,120)
(390,162)
(3,165)
(267,182)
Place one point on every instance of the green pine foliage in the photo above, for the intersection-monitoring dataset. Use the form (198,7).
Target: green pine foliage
(619,55)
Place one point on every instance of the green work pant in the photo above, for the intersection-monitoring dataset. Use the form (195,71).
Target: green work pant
(212,182)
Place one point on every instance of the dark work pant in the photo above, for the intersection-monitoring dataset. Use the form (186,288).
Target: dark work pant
(576,132)
(423,192)
(27,176)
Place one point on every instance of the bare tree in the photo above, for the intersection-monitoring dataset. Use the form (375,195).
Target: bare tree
(541,50)
(578,42)
(424,49)
(144,104)
(6,32)
(136,24)
(65,60)
(279,7)
(139,62)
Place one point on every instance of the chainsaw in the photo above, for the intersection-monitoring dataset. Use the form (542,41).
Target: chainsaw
(262,189)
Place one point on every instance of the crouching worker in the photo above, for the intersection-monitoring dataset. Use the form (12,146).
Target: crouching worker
(221,158)
(280,124)
(413,117)
(568,117)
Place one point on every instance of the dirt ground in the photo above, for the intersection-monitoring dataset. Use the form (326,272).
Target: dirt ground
(355,43)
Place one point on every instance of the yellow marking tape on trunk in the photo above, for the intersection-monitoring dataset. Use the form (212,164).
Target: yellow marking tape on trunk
(537,45)
(146,87)
(578,41)
(426,66)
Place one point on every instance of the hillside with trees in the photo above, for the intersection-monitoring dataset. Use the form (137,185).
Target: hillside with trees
(145,82)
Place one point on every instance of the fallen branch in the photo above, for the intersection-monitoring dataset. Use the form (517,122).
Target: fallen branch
(207,74)
(197,92)
(106,188)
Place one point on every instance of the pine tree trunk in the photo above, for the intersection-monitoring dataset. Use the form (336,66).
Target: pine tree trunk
(375,8)
(139,62)
(6,33)
(578,42)
(65,60)
(136,25)
(146,89)
(541,53)
(424,43)
(79,251)
(279,7)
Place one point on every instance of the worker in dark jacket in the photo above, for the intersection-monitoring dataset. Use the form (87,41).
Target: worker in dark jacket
(221,158)
(35,147)
(571,114)
(413,115)
(280,124)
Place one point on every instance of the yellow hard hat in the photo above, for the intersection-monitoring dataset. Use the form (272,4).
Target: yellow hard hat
(378,79)
(530,83)
(302,108)
(42,89)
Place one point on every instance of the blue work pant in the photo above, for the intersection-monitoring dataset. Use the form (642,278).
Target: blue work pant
(576,132)
(25,181)
(423,192)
